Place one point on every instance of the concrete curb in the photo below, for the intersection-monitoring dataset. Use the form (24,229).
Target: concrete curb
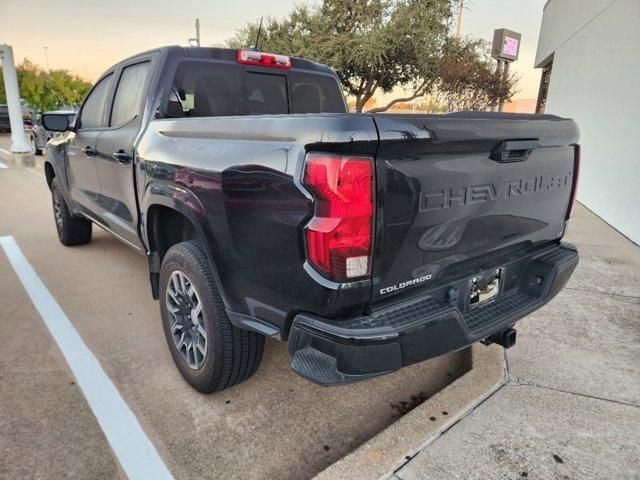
(389,450)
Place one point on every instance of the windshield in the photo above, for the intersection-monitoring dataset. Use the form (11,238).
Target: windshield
(211,89)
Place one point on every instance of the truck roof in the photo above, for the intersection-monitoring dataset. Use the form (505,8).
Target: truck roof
(227,54)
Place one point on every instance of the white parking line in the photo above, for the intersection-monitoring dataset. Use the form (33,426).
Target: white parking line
(135,452)
(4,152)
(37,173)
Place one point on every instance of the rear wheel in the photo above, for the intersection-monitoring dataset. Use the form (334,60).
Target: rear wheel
(71,231)
(210,353)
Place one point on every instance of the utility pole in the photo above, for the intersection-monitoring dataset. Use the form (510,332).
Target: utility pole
(460,13)
(18,143)
(46,57)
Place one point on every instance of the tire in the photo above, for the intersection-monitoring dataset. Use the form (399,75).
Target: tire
(231,355)
(34,147)
(71,231)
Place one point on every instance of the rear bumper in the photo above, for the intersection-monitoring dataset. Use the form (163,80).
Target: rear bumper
(332,352)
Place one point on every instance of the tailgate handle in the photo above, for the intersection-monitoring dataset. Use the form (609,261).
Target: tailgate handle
(514,150)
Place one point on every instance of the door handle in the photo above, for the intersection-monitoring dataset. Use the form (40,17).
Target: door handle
(121,156)
(88,151)
(509,151)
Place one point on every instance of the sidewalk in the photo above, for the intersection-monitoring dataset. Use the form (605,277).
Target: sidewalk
(570,407)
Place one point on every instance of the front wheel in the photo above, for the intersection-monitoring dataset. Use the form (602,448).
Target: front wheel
(34,147)
(210,353)
(71,231)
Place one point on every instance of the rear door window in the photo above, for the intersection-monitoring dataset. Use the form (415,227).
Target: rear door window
(93,108)
(126,102)
(206,89)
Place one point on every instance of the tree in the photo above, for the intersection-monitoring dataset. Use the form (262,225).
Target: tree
(467,78)
(374,45)
(48,90)
(381,45)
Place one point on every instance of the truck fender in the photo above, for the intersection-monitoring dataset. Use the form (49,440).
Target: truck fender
(187,204)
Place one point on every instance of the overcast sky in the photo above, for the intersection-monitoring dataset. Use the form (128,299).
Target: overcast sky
(88,36)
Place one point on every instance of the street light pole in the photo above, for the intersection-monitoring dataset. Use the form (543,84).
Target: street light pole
(18,143)
(46,57)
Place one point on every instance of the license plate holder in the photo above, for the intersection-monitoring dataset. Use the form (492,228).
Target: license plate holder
(485,288)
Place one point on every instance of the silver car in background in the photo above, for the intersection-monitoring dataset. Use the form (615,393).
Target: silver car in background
(40,136)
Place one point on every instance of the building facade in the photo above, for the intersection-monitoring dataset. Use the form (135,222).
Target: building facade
(589,53)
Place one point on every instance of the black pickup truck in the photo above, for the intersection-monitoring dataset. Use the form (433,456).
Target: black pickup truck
(368,242)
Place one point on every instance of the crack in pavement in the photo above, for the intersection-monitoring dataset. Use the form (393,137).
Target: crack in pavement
(513,380)
(602,293)
(520,383)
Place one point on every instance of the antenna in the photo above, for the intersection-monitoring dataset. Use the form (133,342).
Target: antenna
(256,45)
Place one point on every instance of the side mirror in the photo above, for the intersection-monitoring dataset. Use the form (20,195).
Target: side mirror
(55,122)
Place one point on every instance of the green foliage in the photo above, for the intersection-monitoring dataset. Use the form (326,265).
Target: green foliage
(468,79)
(48,90)
(373,45)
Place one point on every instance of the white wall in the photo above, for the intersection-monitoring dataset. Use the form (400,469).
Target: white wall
(562,19)
(596,80)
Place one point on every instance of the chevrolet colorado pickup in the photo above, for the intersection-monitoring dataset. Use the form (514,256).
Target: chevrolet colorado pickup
(368,242)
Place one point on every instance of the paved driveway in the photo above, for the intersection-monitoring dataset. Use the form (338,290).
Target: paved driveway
(571,404)
(276,425)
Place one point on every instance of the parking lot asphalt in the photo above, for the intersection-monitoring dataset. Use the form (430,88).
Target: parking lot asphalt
(276,425)
(570,404)
(569,407)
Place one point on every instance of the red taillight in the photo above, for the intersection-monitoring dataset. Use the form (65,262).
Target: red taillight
(250,57)
(574,180)
(339,234)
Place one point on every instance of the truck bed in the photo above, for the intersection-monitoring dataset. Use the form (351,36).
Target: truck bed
(441,200)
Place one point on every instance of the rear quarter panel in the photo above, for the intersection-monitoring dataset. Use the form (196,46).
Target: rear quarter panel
(239,178)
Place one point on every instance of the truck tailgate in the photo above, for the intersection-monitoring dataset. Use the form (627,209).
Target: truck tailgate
(457,188)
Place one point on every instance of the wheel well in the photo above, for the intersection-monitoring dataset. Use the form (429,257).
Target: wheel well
(166,227)
(49,173)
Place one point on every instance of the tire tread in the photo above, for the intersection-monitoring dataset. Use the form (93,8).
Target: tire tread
(74,231)
(242,350)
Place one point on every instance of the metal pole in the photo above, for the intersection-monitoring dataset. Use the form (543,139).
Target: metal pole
(18,143)
(198,31)
(459,26)
(499,75)
(503,79)
(46,57)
